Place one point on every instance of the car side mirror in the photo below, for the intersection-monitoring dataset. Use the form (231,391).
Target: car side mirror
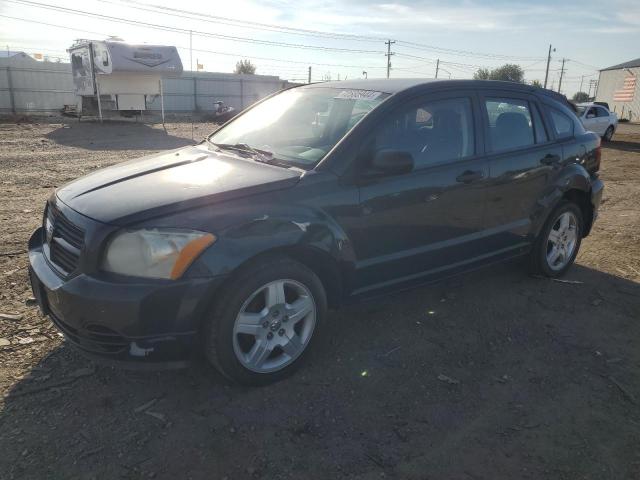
(391,162)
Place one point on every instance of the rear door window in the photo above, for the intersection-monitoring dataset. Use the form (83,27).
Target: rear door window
(602,112)
(510,123)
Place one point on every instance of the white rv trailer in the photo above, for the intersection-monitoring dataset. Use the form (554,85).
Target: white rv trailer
(111,75)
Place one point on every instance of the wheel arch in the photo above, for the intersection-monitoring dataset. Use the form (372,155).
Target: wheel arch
(574,185)
(582,198)
(332,272)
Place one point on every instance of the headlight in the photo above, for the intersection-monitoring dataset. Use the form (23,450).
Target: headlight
(154,253)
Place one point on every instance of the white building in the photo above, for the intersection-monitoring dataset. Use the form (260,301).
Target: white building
(619,87)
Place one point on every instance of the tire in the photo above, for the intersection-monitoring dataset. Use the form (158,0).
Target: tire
(264,309)
(542,256)
(608,134)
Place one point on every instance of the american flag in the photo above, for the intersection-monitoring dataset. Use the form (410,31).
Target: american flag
(628,90)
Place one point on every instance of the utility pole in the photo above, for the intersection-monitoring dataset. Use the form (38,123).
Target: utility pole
(388,43)
(546,75)
(190,50)
(195,99)
(561,75)
(309,74)
(581,80)
(593,84)
(437,67)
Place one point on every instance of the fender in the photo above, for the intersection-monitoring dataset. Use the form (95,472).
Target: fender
(299,218)
(277,230)
(571,177)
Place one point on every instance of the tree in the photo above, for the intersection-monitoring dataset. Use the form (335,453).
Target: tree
(580,97)
(509,72)
(482,74)
(245,66)
(536,83)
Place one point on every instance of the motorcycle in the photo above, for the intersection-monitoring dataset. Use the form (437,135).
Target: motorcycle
(222,112)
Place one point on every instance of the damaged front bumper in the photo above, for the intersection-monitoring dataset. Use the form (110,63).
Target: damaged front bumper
(146,323)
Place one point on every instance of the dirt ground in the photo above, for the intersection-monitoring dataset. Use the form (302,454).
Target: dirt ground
(492,375)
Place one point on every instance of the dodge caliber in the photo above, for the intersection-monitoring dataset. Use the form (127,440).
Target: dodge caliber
(318,195)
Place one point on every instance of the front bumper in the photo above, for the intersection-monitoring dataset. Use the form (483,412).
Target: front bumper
(135,321)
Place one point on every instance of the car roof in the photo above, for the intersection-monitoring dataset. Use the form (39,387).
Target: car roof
(590,104)
(395,85)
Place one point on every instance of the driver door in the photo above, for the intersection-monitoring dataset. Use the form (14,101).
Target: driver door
(428,221)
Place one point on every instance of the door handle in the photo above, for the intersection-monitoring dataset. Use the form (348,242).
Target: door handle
(469,176)
(550,159)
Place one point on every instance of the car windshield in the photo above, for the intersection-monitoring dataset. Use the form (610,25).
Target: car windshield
(580,109)
(298,126)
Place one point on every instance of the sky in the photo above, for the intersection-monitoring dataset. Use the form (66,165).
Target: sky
(345,38)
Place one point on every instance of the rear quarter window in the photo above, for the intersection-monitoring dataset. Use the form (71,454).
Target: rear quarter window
(562,124)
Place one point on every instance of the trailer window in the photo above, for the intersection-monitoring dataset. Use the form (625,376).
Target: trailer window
(76,61)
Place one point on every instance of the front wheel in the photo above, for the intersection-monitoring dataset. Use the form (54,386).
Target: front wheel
(264,322)
(558,243)
(608,135)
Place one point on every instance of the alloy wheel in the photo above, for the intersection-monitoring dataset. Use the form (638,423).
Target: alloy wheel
(562,241)
(274,326)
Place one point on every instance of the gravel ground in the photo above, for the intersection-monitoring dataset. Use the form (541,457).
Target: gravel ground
(490,375)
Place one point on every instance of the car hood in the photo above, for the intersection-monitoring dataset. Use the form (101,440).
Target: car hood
(168,182)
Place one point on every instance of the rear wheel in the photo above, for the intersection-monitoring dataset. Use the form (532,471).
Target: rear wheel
(559,241)
(265,321)
(608,134)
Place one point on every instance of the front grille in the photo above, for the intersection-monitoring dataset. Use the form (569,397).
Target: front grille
(65,240)
(65,259)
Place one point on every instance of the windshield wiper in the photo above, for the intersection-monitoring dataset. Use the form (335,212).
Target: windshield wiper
(262,156)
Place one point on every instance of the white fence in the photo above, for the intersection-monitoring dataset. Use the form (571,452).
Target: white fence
(31,87)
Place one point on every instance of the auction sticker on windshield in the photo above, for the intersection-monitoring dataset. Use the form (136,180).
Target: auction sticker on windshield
(359,94)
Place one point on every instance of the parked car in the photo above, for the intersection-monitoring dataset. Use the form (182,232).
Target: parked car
(237,246)
(597,118)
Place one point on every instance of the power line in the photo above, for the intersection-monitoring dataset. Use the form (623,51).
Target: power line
(54,25)
(200,16)
(457,65)
(304,32)
(185,31)
(191,15)
(463,53)
(237,55)
(585,64)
